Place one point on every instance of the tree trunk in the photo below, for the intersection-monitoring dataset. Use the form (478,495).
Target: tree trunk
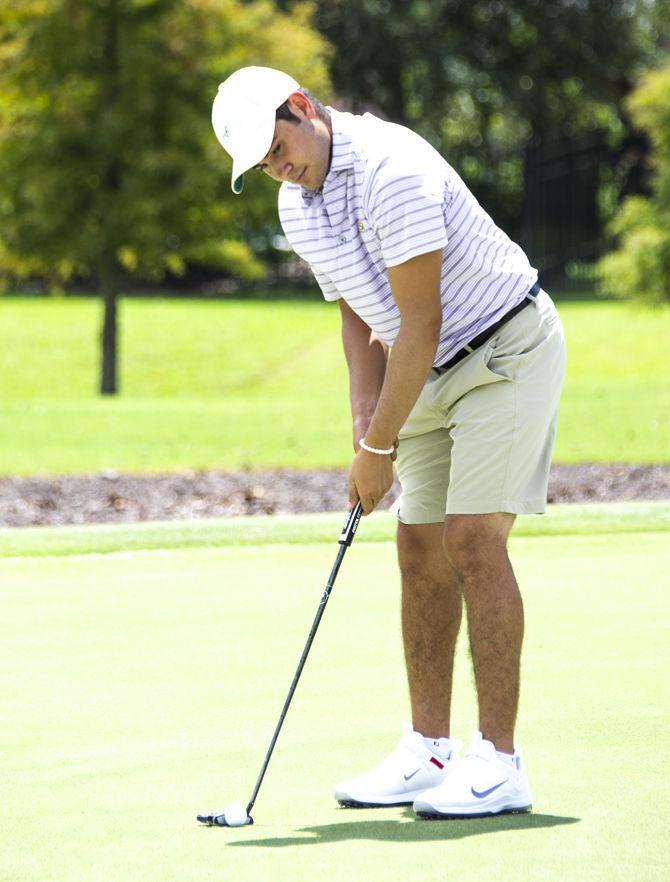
(109,277)
(108,381)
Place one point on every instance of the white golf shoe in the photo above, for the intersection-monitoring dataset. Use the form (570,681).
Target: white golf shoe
(480,784)
(409,770)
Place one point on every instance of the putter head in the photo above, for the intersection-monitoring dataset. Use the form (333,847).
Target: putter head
(219,820)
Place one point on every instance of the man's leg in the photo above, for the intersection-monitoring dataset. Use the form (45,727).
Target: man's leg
(431,618)
(484,782)
(476,546)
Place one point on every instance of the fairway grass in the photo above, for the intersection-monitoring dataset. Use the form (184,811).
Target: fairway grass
(141,686)
(235,385)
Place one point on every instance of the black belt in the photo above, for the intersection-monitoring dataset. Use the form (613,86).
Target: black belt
(485,335)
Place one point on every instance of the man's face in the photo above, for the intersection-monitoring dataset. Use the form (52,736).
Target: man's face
(300,152)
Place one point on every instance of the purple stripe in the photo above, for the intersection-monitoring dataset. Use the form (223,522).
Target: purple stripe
(453,223)
(475,270)
(379,318)
(451,269)
(423,248)
(419,206)
(415,179)
(371,290)
(379,209)
(375,292)
(402,225)
(426,227)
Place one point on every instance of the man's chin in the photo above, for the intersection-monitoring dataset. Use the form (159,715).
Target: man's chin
(307,180)
(311,184)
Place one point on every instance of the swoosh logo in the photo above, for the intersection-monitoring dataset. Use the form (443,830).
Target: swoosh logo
(407,777)
(483,793)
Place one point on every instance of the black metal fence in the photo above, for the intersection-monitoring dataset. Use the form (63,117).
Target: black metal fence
(561,221)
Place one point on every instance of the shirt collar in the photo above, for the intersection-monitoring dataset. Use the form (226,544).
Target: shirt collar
(343,145)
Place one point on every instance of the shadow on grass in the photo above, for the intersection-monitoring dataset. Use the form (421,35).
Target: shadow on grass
(406,831)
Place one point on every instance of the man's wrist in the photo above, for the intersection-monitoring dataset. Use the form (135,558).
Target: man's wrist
(377,440)
(380,451)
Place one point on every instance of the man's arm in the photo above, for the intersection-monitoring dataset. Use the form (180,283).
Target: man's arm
(366,359)
(416,291)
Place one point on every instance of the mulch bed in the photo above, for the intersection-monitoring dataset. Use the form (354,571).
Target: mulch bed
(115,498)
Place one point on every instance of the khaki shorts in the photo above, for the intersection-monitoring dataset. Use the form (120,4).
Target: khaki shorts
(480,437)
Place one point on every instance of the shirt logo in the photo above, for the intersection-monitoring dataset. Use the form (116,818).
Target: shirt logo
(361,226)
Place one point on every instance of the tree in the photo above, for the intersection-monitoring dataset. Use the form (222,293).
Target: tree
(108,164)
(484,80)
(640,267)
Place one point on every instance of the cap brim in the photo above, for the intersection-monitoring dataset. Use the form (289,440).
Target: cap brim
(252,152)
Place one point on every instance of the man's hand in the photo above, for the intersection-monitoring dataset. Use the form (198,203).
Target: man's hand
(370,479)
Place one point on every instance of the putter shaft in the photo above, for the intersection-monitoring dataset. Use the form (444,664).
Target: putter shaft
(345,540)
(217,819)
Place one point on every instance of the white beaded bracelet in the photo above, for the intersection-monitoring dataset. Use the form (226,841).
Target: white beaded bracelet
(378,450)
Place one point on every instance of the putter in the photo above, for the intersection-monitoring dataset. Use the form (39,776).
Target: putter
(235,815)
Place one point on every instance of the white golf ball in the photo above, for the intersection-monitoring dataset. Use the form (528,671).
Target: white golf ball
(235,814)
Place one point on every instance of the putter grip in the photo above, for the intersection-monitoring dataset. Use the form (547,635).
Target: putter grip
(351,525)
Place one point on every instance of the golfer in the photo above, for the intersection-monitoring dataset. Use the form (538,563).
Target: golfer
(467,401)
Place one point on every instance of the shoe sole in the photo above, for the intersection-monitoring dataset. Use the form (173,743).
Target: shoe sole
(355,804)
(445,816)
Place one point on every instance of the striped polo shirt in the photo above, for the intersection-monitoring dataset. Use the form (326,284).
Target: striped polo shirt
(388,197)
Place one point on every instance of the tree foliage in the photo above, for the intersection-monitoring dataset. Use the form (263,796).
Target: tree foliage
(483,79)
(107,158)
(640,267)
(108,164)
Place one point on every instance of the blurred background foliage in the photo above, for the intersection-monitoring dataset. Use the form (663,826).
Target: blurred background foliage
(107,158)
(108,166)
(487,80)
(525,98)
(640,266)
(110,174)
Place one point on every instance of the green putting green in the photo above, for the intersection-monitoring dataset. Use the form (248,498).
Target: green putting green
(141,686)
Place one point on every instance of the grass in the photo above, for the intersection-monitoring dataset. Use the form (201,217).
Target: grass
(616,397)
(560,520)
(262,384)
(142,686)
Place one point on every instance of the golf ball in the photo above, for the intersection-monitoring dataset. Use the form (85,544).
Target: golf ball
(235,814)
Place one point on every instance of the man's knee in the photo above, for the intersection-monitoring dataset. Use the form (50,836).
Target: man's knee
(470,540)
(420,551)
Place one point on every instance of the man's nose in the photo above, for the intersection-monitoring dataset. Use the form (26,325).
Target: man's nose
(281,168)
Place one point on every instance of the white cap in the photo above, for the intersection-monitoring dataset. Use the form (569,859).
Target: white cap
(243,115)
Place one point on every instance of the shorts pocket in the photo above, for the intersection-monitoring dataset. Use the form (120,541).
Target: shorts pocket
(509,349)
(503,366)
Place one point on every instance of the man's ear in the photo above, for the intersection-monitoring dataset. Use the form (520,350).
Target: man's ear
(299,102)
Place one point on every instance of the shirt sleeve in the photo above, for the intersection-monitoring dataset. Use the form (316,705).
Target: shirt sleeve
(328,289)
(406,211)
